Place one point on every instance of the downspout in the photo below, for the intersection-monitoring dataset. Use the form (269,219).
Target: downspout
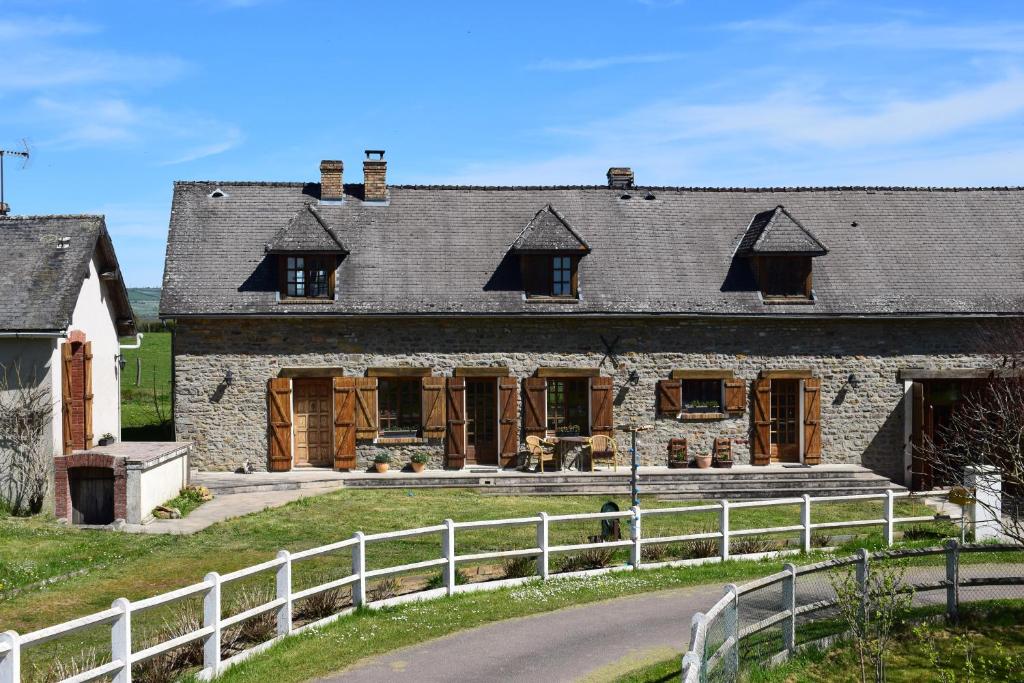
(137,344)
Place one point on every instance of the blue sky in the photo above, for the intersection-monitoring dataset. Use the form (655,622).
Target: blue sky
(119,99)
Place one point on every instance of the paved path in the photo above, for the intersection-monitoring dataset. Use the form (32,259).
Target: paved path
(594,642)
(224,507)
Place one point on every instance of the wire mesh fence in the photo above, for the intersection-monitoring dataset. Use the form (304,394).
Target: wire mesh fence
(764,621)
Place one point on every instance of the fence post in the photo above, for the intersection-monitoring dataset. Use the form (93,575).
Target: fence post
(359,569)
(284,591)
(890,517)
(121,640)
(953,580)
(862,583)
(635,551)
(542,543)
(732,629)
(448,550)
(211,618)
(10,662)
(698,636)
(805,521)
(789,605)
(723,526)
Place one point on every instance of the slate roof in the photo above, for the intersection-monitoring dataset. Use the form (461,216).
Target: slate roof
(444,250)
(306,232)
(46,258)
(548,231)
(778,232)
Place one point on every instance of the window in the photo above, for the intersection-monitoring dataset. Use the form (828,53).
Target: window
(567,406)
(399,404)
(308,277)
(702,395)
(785,277)
(550,276)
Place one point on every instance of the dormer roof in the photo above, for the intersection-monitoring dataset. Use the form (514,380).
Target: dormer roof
(549,231)
(776,231)
(306,232)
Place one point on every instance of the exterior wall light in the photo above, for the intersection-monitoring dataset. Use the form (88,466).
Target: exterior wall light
(229,377)
(634,377)
(853,381)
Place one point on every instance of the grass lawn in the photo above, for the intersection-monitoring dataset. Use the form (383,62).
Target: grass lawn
(140,420)
(987,645)
(91,568)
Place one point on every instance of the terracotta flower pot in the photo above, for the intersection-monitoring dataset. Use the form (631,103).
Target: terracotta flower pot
(703,461)
(417,467)
(381,467)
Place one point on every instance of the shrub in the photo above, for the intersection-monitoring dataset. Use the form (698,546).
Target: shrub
(388,587)
(168,667)
(437,580)
(324,604)
(518,567)
(594,558)
(749,545)
(255,629)
(59,669)
(820,540)
(382,458)
(922,533)
(653,553)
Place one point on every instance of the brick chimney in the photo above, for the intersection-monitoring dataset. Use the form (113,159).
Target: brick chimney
(620,177)
(375,181)
(4,209)
(331,187)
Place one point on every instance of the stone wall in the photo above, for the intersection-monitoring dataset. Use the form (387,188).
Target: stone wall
(862,424)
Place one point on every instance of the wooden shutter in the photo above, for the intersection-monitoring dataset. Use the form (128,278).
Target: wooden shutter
(535,414)
(432,393)
(761,451)
(670,397)
(601,406)
(735,396)
(455,442)
(920,471)
(87,397)
(366,407)
(812,421)
(508,421)
(344,423)
(65,397)
(279,399)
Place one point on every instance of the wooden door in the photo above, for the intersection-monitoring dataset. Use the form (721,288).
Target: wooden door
(92,495)
(785,417)
(482,421)
(314,424)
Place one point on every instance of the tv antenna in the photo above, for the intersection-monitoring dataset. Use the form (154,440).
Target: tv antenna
(25,154)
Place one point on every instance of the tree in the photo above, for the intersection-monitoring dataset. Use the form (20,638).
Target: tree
(986,427)
(872,611)
(26,410)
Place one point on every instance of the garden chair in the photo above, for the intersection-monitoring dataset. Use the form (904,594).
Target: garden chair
(604,449)
(540,449)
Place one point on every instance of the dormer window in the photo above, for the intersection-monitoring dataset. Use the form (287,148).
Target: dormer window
(308,276)
(549,252)
(780,251)
(308,252)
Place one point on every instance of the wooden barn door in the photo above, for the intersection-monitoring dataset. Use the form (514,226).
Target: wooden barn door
(279,427)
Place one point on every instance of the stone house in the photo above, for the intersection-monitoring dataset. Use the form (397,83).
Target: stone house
(63,308)
(319,324)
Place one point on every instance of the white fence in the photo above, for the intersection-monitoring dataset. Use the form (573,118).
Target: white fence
(119,616)
(804,594)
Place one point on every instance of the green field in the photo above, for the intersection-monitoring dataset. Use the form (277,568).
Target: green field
(146,408)
(145,302)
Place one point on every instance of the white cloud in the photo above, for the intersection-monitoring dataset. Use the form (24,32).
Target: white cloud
(27,28)
(584,64)
(46,66)
(230,138)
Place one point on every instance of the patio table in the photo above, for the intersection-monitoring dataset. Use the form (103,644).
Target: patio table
(564,444)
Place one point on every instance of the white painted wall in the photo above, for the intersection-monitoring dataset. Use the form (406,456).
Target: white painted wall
(151,487)
(95,315)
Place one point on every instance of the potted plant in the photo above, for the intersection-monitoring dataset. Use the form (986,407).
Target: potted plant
(703,461)
(723,452)
(107,439)
(676,453)
(418,461)
(381,462)
(723,460)
(568,430)
(702,407)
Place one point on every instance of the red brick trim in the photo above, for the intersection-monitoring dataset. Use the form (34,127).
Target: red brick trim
(76,336)
(62,486)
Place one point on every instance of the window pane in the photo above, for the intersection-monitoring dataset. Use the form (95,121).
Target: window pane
(399,404)
(702,395)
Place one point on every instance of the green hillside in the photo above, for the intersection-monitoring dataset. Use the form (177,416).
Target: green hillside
(145,302)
